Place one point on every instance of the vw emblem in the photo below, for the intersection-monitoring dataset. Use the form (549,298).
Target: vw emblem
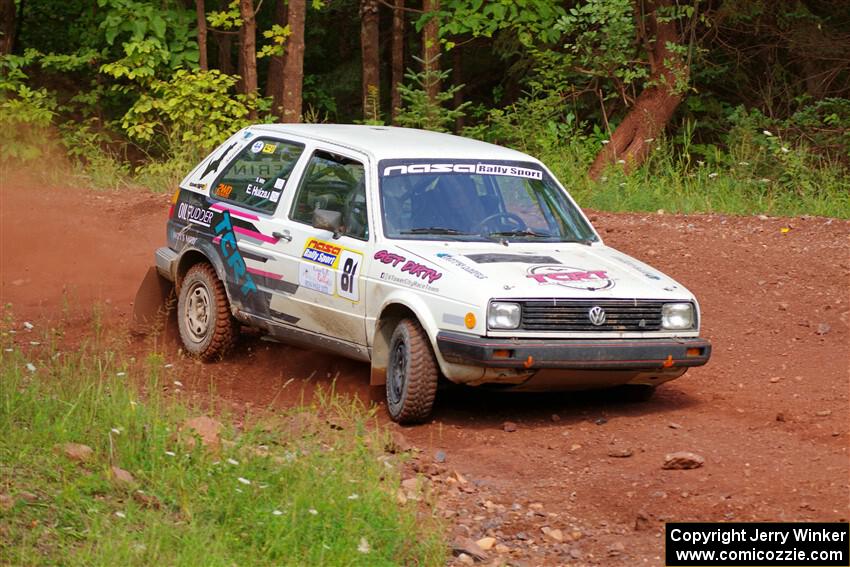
(596,315)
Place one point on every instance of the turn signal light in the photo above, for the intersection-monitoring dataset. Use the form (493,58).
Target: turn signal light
(173,202)
(694,352)
(469,320)
(503,353)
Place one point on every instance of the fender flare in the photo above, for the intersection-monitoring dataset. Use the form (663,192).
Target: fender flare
(204,251)
(396,306)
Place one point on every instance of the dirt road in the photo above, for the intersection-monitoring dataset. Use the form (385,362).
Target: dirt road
(769,414)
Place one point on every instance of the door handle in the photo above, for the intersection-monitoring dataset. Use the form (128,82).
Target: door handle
(283,235)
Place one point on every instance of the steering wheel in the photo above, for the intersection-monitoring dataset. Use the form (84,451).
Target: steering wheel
(513,218)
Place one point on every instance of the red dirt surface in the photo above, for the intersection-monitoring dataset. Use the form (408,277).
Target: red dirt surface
(769,413)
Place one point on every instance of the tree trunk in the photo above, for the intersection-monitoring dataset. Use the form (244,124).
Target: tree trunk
(431,49)
(248,50)
(7,26)
(397,58)
(457,79)
(201,15)
(274,85)
(293,67)
(225,49)
(370,45)
(632,140)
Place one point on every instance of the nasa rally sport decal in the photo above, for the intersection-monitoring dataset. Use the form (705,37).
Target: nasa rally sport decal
(574,278)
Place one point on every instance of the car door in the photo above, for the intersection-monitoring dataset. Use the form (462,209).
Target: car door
(330,296)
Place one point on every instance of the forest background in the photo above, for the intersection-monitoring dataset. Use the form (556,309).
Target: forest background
(734,106)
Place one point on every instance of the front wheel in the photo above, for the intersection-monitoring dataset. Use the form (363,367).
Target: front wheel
(207,328)
(411,374)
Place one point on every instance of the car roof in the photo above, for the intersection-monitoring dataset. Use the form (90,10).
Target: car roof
(390,142)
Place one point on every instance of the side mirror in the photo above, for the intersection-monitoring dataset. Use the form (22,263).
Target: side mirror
(328,220)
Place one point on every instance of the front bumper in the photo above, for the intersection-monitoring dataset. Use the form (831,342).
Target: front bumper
(573,354)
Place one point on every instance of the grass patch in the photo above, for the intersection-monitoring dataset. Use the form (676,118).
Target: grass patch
(287,491)
(749,181)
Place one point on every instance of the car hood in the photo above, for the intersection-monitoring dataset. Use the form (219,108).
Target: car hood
(568,270)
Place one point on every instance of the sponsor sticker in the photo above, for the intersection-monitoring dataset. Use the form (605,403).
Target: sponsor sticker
(224,190)
(258,146)
(631,263)
(275,196)
(342,263)
(279,183)
(415,269)
(511,170)
(477,168)
(446,257)
(321,252)
(574,278)
(193,214)
(269,148)
(317,278)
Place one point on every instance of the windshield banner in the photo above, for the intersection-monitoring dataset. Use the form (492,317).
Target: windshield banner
(391,168)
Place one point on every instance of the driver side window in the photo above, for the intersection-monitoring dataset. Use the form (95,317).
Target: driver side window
(258,176)
(335,183)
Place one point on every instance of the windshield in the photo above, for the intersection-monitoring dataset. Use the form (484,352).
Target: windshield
(476,200)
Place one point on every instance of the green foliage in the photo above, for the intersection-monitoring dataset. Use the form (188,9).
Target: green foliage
(281,490)
(25,117)
(95,156)
(195,109)
(25,113)
(226,19)
(599,41)
(154,39)
(534,124)
(419,110)
(530,19)
(278,36)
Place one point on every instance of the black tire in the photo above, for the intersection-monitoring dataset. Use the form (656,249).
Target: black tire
(412,374)
(207,329)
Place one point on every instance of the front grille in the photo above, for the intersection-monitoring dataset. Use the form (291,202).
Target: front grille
(571,315)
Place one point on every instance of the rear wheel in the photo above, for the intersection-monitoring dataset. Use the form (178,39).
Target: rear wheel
(411,374)
(207,329)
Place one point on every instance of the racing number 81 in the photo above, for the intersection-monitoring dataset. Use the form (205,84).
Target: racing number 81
(346,282)
(347,276)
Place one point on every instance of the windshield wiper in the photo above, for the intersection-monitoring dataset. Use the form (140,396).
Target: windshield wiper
(524,232)
(585,241)
(434,230)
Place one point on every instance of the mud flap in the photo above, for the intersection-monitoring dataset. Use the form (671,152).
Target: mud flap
(154,300)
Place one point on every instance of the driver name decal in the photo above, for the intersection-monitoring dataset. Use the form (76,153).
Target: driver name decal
(575,278)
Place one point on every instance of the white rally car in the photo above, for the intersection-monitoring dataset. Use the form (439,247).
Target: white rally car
(424,254)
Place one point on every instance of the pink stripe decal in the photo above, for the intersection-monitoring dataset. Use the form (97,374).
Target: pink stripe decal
(216,240)
(254,234)
(234,212)
(265,274)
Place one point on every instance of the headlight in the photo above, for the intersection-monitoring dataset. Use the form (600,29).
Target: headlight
(503,315)
(677,316)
